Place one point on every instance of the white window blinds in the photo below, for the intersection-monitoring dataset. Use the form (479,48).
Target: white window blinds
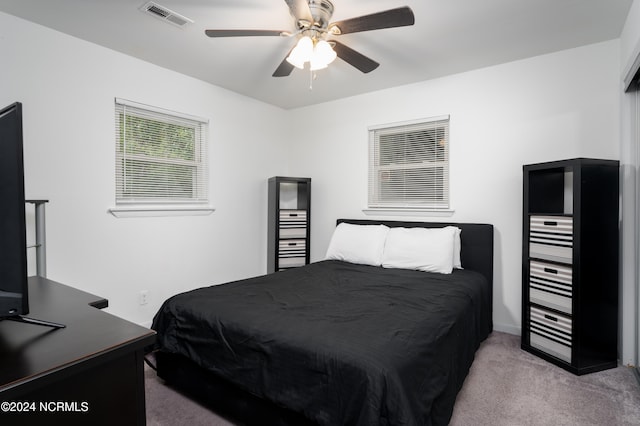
(161,156)
(409,165)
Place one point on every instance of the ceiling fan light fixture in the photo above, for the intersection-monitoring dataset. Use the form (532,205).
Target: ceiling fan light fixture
(296,61)
(318,54)
(301,53)
(324,52)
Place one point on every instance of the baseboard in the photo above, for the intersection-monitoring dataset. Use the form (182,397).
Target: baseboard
(506,328)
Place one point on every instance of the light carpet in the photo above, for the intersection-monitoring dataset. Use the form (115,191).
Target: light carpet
(505,387)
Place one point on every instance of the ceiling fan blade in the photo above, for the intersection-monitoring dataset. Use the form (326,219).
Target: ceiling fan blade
(285,68)
(245,33)
(400,17)
(300,10)
(354,58)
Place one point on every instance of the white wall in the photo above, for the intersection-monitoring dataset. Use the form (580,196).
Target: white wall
(629,161)
(67,87)
(551,107)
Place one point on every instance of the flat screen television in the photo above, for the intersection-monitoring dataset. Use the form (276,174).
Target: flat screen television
(14,284)
(14,297)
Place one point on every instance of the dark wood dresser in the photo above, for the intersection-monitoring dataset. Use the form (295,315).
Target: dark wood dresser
(90,372)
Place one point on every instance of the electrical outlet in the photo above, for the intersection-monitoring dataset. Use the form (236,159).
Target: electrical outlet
(143,297)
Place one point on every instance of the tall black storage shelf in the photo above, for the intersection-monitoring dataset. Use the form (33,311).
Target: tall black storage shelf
(289,219)
(570,263)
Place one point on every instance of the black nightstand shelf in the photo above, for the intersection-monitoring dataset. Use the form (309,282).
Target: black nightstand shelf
(570,263)
(289,216)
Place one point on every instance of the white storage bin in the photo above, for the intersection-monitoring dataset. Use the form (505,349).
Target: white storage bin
(288,248)
(293,232)
(550,332)
(291,262)
(550,285)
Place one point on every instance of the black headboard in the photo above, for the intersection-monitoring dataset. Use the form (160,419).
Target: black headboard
(476,239)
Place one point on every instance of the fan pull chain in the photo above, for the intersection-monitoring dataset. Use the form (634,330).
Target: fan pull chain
(312,76)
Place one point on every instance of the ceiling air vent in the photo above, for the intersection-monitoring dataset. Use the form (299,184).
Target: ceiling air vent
(167,15)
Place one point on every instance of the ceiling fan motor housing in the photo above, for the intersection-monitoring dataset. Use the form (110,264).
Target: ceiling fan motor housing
(321,11)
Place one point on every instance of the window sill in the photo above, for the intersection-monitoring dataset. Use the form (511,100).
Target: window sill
(160,211)
(400,211)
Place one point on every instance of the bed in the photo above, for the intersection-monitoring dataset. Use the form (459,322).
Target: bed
(333,342)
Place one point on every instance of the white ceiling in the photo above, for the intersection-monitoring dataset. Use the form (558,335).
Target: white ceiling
(449,36)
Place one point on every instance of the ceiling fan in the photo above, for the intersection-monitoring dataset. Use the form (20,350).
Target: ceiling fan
(315,32)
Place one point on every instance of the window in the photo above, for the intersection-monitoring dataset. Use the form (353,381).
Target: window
(409,165)
(161,156)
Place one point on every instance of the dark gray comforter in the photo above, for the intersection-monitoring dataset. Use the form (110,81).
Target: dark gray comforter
(343,344)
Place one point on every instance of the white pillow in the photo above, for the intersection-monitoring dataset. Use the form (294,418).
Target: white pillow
(422,249)
(358,243)
(457,263)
